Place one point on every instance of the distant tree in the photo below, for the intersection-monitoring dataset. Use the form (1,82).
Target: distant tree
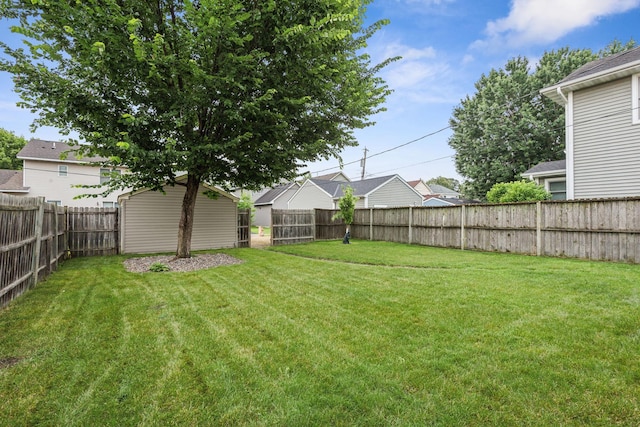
(347,206)
(506,126)
(517,191)
(616,46)
(10,145)
(233,93)
(450,183)
(245,202)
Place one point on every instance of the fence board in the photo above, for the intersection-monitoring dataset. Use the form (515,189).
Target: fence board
(244,228)
(92,231)
(604,229)
(292,226)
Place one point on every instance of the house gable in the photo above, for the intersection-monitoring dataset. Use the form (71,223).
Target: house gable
(311,195)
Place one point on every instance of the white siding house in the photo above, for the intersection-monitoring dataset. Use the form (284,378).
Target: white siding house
(149,220)
(276,198)
(386,191)
(602,120)
(45,173)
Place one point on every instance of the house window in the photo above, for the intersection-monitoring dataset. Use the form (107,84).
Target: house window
(558,189)
(105,174)
(63,170)
(635,99)
(55,202)
(109,205)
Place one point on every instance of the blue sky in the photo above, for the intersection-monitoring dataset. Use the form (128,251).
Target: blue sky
(446,46)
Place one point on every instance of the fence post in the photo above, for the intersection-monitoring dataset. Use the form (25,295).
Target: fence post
(54,250)
(538,228)
(462,236)
(35,259)
(370,223)
(313,225)
(410,223)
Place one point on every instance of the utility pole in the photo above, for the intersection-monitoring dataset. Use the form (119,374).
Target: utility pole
(363,162)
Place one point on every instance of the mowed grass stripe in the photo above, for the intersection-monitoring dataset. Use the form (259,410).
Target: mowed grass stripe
(282,340)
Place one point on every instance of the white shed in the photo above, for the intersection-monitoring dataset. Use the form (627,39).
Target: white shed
(149,220)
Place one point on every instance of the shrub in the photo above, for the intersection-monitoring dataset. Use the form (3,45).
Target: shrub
(517,191)
(158,267)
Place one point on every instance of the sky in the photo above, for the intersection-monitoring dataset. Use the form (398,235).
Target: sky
(446,46)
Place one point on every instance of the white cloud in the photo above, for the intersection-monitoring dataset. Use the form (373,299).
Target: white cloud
(420,76)
(544,21)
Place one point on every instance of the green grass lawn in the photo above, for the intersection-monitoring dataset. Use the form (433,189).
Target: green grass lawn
(327,334)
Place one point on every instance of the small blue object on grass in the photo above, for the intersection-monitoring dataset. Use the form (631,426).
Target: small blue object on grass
(346,238)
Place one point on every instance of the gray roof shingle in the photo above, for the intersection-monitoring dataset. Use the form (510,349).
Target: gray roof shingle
(603,64)
(271,195)
(11,180)
(360,188)
(52,150)
(556,165)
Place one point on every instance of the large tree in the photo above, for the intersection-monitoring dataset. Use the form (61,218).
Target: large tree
(506,126)
(10,145)
(235,92)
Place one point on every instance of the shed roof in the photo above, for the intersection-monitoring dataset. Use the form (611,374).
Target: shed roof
(182,178)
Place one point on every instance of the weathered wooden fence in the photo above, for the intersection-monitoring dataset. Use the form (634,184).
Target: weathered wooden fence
(292,226)
(31,243)
(92,231)
(244,228)
(604,229)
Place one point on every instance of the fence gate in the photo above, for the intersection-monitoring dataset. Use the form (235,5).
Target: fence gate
(290,226)
(244,228)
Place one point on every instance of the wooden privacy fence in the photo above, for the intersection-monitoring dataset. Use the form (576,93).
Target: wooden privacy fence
(31,243)
(92,231)
(604,229)
(244,228)
(290,226)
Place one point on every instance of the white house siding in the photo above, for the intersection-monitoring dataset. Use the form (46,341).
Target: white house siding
(310,196)
(394,193)
(262,216)
(43,180)
(150,221)
(606,143)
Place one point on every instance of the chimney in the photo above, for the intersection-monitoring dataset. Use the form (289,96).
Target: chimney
(53,146)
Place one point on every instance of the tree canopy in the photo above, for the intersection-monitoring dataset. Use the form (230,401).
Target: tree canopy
(451,183)
(239,93)
(10,145)
(347,206)
(506,126)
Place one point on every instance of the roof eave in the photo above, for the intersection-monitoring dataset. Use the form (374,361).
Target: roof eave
(601,77)
(557,172)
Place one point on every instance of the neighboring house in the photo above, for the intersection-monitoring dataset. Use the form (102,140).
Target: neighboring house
(275,198)
(421,187)
(432,190)
(46,174)
(11,183)
(552,176)
(149,220)
(602,118)
(442,191)
(336,176)
(437,201)
(386,191)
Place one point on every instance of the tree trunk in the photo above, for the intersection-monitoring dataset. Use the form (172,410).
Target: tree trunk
(186,218)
